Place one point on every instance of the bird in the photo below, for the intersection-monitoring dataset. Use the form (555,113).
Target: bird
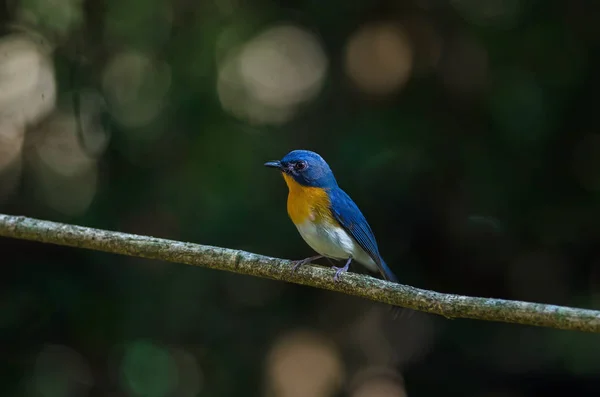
(326,217)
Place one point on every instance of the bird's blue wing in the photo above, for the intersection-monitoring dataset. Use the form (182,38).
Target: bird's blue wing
(346,212)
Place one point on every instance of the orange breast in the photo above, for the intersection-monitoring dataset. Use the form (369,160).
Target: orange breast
(306,203)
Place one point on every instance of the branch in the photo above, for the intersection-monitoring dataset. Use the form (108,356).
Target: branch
(448,305)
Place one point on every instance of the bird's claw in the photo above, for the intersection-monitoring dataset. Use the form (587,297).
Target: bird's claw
(303,262)
(340,270)
(297,264)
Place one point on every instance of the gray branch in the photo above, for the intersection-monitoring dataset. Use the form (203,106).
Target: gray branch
(236,261)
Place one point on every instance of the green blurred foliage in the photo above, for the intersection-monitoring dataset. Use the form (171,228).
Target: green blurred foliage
(478,170)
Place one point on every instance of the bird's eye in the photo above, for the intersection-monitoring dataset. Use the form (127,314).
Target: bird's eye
(300,165)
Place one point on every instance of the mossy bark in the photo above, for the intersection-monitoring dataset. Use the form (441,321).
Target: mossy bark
(447,305)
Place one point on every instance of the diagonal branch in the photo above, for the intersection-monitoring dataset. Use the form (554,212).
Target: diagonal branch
(448,305)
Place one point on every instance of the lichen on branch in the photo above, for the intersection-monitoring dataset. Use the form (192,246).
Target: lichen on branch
(242,262)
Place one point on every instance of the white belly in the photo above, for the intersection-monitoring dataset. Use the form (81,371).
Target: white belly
(334,242)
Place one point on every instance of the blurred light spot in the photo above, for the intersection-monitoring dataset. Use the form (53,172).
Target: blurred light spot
(190,377)
(272,75)
(70,195)
(12,135)
(57,17)
(58,146)
(586,162)
(61,372)
(464,66)
(27,85)
(304,364)
(65,175)
(149,370)
(283,66)
(379,387)
(379,58)
(136,86)
(500,13)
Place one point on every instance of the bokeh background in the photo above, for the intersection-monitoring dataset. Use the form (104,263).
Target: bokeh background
(466,130)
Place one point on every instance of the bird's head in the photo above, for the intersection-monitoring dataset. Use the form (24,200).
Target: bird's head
(306,168)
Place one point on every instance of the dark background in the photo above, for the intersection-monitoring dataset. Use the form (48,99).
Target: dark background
(466,130)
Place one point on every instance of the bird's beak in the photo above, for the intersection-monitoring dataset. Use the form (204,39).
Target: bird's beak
(273,164)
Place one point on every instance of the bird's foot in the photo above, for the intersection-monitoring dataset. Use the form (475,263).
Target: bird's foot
(306,261)
(340,270)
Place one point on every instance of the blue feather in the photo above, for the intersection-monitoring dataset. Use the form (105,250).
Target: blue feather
(346,212)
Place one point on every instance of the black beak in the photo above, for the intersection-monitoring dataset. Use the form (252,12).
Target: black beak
(273,164)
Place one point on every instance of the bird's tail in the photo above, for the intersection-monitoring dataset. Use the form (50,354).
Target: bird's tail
(386,272)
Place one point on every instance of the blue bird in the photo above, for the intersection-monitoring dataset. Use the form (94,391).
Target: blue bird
(325,216)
